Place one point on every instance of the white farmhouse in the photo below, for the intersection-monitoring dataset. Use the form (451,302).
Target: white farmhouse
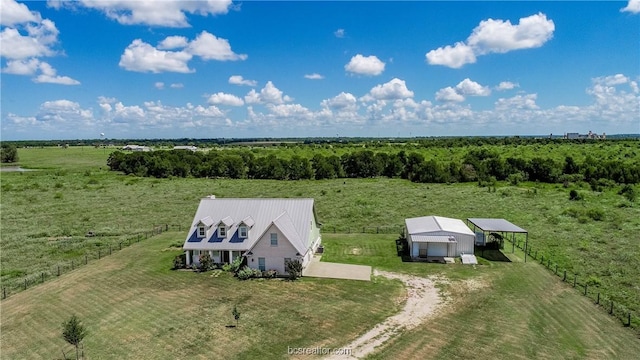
(265,232)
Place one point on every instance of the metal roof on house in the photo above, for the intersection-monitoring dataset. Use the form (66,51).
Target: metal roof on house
(429,224)
(433,239)
(497,225)
(292,216)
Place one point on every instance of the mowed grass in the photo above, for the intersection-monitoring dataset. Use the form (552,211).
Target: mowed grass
(135,307)
(496,310)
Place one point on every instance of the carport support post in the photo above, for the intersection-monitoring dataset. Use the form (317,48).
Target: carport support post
(513,243)
(526,245)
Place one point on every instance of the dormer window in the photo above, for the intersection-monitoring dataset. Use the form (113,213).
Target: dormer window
(222,231)
(242,231)
(201,231)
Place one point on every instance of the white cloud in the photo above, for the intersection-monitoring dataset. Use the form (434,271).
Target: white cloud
(506,85)
(452,56)
(48,75)
(392,90)
(225,99)
(142,57)
(168,13)
(449,94)
(633,6)
(239,80)
(209,47)
(37,43)
(14,13)
(314,76)
(177,86)
(495,36)
(339,33)
(159,85)
(498,36)
(22,67)
(612,80)
(341,102)
(173,42)
(466,87)
(269,94)
(365,65)
(518,102)
(472,88)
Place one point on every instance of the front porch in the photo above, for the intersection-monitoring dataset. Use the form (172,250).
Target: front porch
(217,256)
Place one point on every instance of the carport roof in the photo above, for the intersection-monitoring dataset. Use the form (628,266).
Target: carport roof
(498,225)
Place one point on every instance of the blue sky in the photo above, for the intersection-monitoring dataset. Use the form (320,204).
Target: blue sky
(212,69)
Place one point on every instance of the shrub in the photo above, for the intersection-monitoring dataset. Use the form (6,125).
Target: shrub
(574,195)
(294,268)
(596,214)
(515,178)
(179,262)
(235,265)
(628,192)
(269,274)
(205,262)
(245,273)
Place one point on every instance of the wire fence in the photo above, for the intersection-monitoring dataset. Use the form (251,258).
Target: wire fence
(384,229)
(15,286)
(628,317)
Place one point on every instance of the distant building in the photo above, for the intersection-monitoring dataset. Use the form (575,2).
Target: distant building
(191,148)
(590,135)
(136,148)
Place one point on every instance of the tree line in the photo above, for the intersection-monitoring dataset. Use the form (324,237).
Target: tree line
(482,165)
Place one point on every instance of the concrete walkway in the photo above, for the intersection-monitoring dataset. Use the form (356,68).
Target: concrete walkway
(316,268)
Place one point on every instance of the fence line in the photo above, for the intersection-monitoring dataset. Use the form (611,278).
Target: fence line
(61,268)
(620,311)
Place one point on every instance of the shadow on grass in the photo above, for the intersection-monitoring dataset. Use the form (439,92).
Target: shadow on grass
(492,255)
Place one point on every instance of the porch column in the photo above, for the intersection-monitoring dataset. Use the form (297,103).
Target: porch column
(230,256)
(188,252)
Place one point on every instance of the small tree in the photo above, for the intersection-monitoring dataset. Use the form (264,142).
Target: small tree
(236,314)
(205,262)
(73,332)
(8,153)
(294,268)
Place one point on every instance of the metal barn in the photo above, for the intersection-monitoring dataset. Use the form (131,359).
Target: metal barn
(437,237)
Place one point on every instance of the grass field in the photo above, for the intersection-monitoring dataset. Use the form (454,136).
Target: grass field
(45,214)
(135,307)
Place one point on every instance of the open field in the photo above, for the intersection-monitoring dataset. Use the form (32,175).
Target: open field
(497,310)
(45,214)
(135,307)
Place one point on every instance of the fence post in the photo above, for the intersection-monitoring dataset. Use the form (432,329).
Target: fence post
(71,264)
(575,279)
(585,289)
(120,244)
(42,275)
(85,259)
(98,254)
(58,270)
(167,228)
(4,292)
(377,230)
(109,249)
(564,278)
(25,284)
(556,269)
(611,308)
(598,299)
(628,319)
(541,259)
(548,263)
(363,229)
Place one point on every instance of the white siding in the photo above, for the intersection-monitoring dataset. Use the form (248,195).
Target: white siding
(274,255)
(465,243)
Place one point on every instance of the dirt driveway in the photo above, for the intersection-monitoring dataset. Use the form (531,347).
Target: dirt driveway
(336,270)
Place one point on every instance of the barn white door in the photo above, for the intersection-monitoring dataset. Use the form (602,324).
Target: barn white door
(437,249)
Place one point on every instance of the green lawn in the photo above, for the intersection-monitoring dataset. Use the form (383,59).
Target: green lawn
(497,310)
(135,307)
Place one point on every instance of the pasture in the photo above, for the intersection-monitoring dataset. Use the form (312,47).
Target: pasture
(45,215)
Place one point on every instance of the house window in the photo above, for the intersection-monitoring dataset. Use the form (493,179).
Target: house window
(243,232)
(222,231)
(274,239)
(261,264)
(286,260)
(201,231)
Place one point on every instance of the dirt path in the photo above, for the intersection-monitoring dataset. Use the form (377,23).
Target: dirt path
(423,299)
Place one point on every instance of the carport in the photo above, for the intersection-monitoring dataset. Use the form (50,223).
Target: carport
(503,227)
